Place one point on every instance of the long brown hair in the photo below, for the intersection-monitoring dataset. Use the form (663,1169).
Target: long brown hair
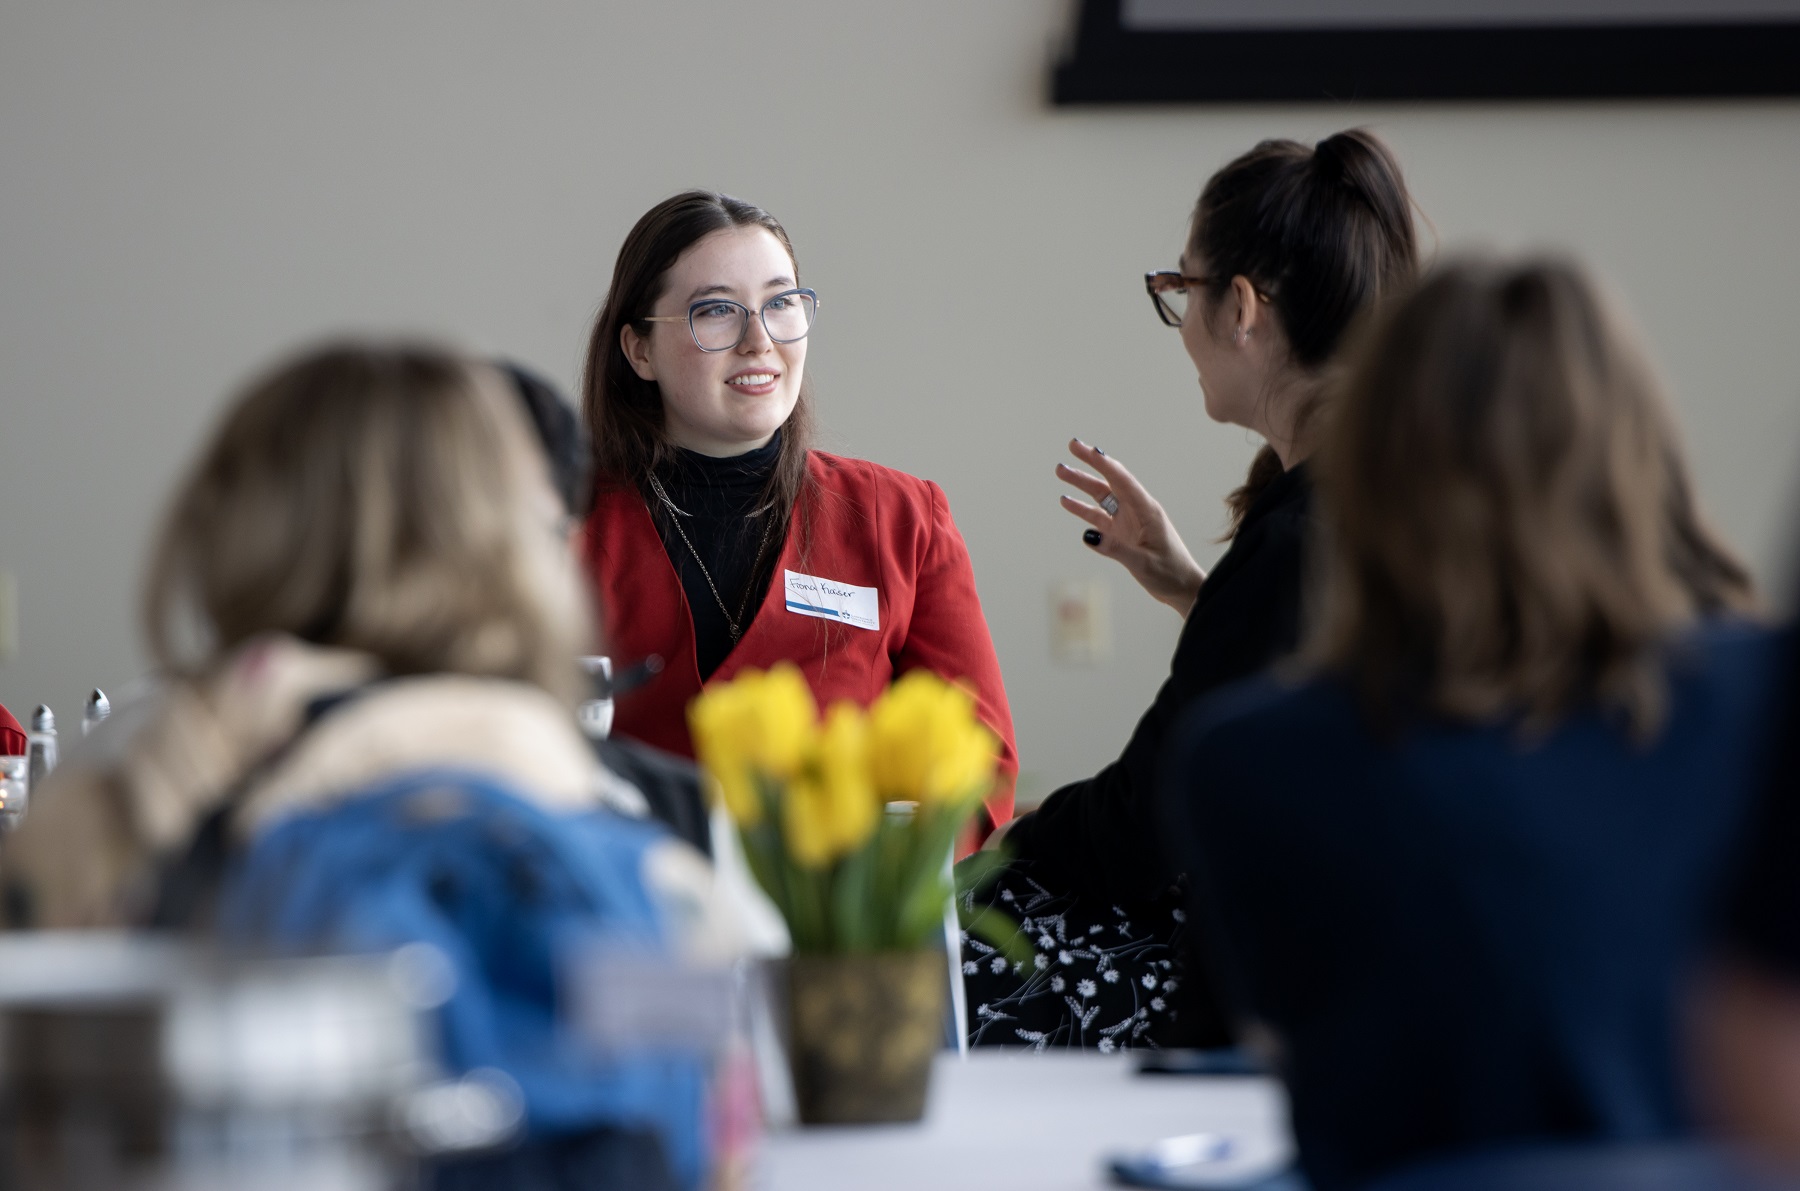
(379,497)
(1324,231)
(1512,528)
(624,411)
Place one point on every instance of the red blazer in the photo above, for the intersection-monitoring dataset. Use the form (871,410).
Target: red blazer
(870,526)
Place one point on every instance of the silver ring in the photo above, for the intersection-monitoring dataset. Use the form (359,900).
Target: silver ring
(1111,504)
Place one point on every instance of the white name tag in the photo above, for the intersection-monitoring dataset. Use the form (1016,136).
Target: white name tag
(828,599)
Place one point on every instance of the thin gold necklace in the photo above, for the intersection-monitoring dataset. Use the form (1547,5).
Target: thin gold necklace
(734,623)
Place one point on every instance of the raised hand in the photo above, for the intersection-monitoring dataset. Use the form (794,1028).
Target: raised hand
(1131,528)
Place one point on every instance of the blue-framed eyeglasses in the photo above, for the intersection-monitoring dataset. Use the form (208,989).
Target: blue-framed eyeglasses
(719,324)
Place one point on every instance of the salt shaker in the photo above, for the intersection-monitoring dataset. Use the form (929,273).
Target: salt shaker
(98,708)
(41,745)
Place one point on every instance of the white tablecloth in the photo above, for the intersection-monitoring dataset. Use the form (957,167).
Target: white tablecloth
(1033,1122)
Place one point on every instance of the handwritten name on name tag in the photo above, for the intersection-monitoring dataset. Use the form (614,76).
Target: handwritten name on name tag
(828,599)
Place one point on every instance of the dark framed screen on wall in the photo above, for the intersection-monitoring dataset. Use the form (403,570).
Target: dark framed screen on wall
(1225,51)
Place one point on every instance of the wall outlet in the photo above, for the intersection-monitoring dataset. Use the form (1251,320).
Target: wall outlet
(1080,622)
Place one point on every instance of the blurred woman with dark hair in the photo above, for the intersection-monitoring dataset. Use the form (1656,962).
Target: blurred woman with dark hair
(559,432)
(1460,871)
(721,538)
(1288,245)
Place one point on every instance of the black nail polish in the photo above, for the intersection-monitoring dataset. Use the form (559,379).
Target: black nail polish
(1091,536)
(1098,451)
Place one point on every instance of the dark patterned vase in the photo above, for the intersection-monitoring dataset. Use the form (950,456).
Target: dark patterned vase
(863,1032)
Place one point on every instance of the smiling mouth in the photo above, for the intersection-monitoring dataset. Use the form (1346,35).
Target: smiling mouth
(753,380)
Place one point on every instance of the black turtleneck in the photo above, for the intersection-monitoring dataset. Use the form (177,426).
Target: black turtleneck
(719,497)
(1102,834)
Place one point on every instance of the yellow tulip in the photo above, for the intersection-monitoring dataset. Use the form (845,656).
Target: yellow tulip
(788,720)
(965,770)
(831,808)
(926,745)
(737,790)
(713,718)
(760,723)
(921,742)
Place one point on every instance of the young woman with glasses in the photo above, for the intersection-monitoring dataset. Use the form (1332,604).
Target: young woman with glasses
(720,539)
(1288,245)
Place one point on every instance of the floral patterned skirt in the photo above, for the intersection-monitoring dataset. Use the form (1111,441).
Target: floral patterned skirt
(1103,976)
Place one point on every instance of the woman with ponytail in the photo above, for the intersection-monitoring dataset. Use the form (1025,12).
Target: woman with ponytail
(1288,245)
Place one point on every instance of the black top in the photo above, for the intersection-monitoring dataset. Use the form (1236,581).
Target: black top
(1463,935)
(670,784)
(719,499)
(1100,835)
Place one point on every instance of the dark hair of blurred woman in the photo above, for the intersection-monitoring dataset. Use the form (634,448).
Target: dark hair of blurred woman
(1513,524)
(560,433)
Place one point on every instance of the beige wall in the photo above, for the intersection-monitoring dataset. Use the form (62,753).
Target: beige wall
(187,186)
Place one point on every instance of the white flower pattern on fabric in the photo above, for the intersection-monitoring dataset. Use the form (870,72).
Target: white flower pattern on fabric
(1094,978)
